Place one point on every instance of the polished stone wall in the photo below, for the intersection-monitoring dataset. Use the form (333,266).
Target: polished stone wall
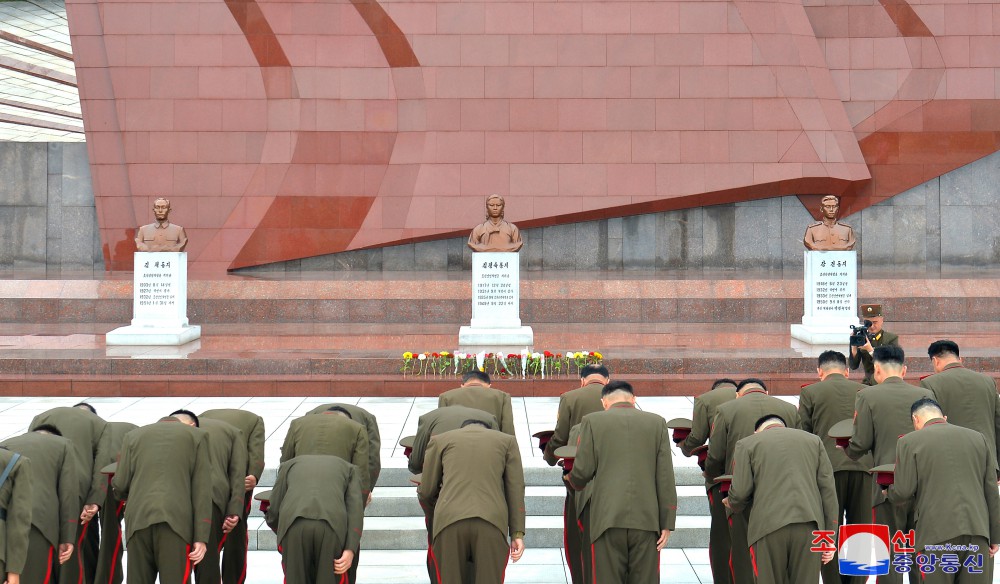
(48,220)
(47,215)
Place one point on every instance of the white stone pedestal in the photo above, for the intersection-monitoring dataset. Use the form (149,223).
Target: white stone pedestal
(830,298)
(159,304)
(496,303)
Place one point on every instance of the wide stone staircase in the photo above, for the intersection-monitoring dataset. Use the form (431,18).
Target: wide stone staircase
(394,520)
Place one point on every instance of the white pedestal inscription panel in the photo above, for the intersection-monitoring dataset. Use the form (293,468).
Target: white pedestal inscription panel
(159,304)
(496,302)
(830,298)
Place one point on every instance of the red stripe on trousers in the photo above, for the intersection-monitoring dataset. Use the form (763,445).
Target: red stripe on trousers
(753,561)
(48,570)
(187,563)
(732,573)
(246,541)
(118,543)
(79,554)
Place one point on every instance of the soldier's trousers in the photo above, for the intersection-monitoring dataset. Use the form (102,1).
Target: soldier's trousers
(43,560)
(475,539)
(234,551)
(854,498)
(157,549)
(573,538)
(207,571)
(739,556)
(81,565)
(109,560)
(626,556)
(307,553)
(963,576)
(783,556)
(586,547)
(719,543)
(897,518)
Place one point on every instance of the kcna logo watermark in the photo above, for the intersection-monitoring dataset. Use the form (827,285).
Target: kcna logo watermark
(864,551)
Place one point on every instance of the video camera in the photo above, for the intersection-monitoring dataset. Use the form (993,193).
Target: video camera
(860,335)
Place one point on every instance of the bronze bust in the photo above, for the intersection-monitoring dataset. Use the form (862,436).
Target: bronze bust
(495,234)
(829,234)
(162,235)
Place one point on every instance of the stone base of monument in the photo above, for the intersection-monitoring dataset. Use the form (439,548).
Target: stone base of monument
(134,335)
(521,336)
(827,334)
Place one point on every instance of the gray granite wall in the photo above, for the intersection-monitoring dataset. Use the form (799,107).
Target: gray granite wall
(47,217)
(48,221)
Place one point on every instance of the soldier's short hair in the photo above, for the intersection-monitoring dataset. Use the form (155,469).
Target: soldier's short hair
(926,405)
(832,360)
(615,386)
(48,428)
(479,375)
(86,406)
(340,410)
(588,370)
(768,418)
(471,421)
(189,414)
(943,348)
(889,354)
(724,381)
(751,381)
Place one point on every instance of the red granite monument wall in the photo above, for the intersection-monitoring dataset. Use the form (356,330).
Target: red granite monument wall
(289,129)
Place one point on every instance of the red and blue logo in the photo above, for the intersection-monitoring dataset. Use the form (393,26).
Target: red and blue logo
(864,550)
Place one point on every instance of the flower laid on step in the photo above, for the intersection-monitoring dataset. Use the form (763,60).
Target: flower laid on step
(500,365)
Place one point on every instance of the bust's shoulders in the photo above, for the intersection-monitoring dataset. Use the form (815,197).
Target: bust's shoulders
(842,224)
(815,224)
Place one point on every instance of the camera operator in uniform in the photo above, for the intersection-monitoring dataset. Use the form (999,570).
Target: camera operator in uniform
(861,353)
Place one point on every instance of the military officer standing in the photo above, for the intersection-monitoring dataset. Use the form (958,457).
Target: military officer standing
(476,392)
(55,500)
(630,520)
(478,506)
(165,475)
(234,553)
(788,475)
(15,511)
(573,406)
(950,474)
(434,422)
(882,415)
(316,509)
(227,451)
(109,559)
(821,405)
(86,431)
(333,433)
(968,398)
(877,337)
(705,407)
(734,420)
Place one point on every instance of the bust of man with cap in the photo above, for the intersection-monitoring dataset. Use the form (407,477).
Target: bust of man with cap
(877,337)
(829,234)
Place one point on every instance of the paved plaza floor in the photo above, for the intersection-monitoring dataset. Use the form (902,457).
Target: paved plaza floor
(397,417)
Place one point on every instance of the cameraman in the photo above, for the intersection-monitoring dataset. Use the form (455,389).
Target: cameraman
(877,337)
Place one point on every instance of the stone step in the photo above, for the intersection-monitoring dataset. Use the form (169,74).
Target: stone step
(408,533)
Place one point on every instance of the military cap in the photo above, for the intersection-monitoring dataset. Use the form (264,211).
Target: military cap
(567,454)
(543,438)
(724,481)
(871,310)
(681,428)
(407,444)
(265,500)
(842,432)
(111,469)
(416,479)
(884,474)
(702,453)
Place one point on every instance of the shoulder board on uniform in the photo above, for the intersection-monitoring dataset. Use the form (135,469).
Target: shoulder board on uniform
(923,377)
(815,223)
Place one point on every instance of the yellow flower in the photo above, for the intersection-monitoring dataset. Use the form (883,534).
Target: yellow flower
(444,353)
(407,355)
(598,355)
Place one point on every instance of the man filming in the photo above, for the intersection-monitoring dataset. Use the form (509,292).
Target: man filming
(877,337)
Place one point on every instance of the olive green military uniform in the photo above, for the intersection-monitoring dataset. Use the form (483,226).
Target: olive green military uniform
(821,405)
(788,475)
(165,475)
(434,422)
(368,420)
(719,545)
(882,415)
(228,452)
(317,511)
(573,406)
(949,473)
(580,521)
(87,433)
(55,500)
(626,517)
(15,509)
(969,399)
(864,358)
(734,420)
(483,398)
(109,560)
(329,433)
(474,484)
(234,551)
